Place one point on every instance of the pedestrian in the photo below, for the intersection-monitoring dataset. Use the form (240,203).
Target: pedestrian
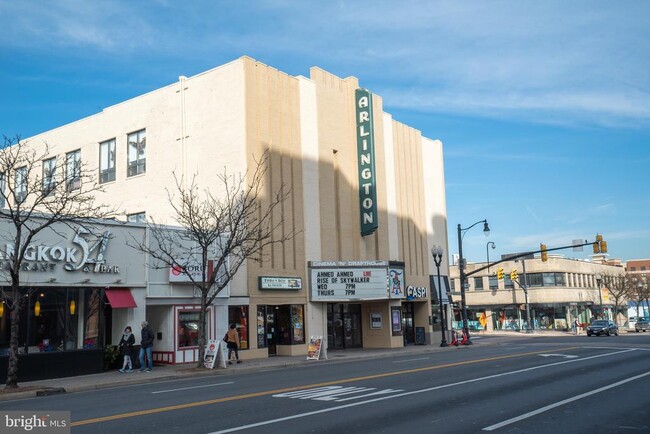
(232,342)
(576,324)
(126,346)
(146,346)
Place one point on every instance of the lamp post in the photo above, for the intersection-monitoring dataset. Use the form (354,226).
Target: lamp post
(437,252)
(600,293)
(487,252)
(461,270)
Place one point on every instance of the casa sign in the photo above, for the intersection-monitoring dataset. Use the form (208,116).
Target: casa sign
(366,162)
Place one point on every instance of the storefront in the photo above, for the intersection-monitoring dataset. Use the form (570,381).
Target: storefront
(77,282)
(367,304)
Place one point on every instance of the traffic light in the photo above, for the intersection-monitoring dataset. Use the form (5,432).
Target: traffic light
(542,247)
(513,275)
(600,246)
(500,273)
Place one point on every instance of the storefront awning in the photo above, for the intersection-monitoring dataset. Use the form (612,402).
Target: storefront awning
(120,298)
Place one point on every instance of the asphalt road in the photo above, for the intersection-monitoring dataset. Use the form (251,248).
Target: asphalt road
(538,385)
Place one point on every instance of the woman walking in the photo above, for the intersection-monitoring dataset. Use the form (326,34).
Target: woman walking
(126,346)
(232,342)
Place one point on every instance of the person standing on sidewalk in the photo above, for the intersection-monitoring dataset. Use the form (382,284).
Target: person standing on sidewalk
(232,342)
(576,326)
(126,345)
(146,346)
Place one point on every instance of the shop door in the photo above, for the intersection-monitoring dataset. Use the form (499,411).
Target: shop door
(344,326)
(407,323)
(271,335)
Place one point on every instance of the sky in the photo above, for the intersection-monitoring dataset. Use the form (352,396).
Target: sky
(543,108)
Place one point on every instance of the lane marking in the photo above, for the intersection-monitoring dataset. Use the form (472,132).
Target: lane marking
(289,389)
(192,387)
(410,360)
(415,392)
(560,403)
(566,356)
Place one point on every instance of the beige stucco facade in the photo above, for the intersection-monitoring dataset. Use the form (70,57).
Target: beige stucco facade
(559,291)
(227,118)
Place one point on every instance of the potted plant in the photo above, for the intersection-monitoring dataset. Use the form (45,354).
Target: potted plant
(111,352)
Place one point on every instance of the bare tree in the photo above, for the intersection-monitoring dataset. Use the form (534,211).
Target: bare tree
(217,233)
(618,290)
(639,290)
(35,194)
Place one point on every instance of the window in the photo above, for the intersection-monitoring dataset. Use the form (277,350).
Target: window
(534,279)
(21,184)
(642,267)
(559,279)
(73,170)
(632,268)
(478,284)
(494,283)
(452,283)
(2,190)
(49,172)
(549,279)
(507,282)
(188,329)
(137,153)
(238,315)
(107,161)
(140,217)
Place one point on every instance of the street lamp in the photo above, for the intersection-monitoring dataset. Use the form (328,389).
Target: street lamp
(600,293)
(487,252)
(437,252)
(461,270)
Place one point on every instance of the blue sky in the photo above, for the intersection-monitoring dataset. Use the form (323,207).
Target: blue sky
(543,107)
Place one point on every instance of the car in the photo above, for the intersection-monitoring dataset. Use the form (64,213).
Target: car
(642,324)
(602,327)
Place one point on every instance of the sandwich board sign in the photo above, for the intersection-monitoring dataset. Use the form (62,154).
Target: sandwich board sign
(215,352)
(313,349)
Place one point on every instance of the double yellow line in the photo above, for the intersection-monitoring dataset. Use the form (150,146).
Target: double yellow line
(307,386)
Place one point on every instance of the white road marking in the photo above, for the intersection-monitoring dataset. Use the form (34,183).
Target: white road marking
(560,403)
(566,356)
(410,360)
(415,392)
(193,387)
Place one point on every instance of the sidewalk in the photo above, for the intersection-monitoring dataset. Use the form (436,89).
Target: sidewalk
(114,378)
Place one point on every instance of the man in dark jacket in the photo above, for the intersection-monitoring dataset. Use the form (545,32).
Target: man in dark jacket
(146,346)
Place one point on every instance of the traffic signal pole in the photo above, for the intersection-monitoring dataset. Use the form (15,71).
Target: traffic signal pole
(521,255)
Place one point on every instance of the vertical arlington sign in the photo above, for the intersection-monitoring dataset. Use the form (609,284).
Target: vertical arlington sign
(366,160)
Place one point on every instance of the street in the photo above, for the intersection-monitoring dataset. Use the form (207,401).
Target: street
(533,385)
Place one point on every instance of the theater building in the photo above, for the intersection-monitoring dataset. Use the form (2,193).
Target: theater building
(367,201)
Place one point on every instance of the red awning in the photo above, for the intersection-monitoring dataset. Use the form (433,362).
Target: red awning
(120,298)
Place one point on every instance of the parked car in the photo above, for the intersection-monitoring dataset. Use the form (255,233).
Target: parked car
(642,324)
(602,327)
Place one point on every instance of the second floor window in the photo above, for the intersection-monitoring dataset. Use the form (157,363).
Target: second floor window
(137,153)
(494,283)
(137,218)
(107,161)
(73,170)
(2,190)
(49,172)
(21,184)
(478,284)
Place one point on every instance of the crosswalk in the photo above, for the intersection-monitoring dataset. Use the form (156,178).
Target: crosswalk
(336,393)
